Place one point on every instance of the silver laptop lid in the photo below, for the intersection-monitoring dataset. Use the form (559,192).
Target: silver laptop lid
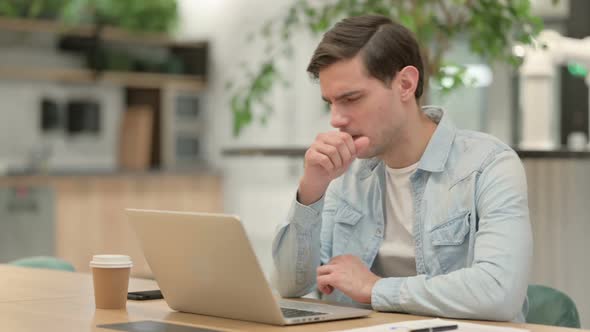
(205,264)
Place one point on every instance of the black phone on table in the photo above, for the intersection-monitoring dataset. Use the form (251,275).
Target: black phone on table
(145,295)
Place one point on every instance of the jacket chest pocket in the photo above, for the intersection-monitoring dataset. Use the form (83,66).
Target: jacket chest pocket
(450,241)
(346,220)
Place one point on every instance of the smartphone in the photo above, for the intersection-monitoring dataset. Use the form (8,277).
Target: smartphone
(145,295)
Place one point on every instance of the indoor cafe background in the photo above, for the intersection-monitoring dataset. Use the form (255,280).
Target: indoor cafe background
(63,190)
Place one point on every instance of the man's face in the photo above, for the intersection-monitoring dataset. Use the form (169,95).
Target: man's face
(361,105)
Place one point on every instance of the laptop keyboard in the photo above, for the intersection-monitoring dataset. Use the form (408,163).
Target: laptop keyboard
(294,313)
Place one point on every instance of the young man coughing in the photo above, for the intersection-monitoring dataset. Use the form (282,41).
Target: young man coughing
(397,209)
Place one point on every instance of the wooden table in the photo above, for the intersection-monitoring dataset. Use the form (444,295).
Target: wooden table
(46,300)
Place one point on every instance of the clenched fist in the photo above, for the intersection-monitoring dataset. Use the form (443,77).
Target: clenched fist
(329,156)
(348,274)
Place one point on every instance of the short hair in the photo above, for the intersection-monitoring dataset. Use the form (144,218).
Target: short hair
(385,46)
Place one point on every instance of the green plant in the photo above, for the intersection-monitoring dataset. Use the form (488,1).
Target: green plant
(491,27)
(43,9)
(134,15)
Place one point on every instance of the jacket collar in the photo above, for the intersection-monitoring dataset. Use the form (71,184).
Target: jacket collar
(439,147)
(437,151)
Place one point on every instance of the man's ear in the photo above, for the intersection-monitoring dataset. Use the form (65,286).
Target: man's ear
(408,79)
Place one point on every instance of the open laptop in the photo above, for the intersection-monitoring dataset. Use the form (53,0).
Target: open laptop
(204,264)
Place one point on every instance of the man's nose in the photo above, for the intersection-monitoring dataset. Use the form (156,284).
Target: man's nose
(337,120)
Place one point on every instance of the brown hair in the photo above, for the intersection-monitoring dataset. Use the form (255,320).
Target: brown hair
(385,46)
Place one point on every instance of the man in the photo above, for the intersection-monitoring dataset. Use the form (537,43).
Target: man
(398,209)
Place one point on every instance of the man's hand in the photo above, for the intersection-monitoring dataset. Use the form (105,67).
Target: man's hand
(329,156)
(348,274)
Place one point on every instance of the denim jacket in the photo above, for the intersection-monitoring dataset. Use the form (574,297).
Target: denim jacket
(471,229)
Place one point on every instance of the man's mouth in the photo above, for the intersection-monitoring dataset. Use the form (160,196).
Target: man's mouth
(354,136)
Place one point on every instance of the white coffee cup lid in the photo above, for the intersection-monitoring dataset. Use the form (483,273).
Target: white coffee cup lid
(111,261)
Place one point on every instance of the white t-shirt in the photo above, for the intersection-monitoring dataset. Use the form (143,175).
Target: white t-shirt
(397,256)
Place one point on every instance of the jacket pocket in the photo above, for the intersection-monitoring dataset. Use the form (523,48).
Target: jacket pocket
(346,219)
(346,214)
(449,241)
(451,232)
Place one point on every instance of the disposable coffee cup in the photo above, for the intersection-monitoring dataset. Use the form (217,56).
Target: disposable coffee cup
(110,274)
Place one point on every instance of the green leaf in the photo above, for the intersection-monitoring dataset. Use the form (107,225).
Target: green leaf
(407,21)
(310,12)
(8,9)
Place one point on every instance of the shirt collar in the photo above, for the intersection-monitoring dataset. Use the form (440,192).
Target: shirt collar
(437,151)
(439,147)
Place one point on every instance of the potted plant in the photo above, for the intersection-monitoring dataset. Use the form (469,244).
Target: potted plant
(491,28)
(34,9)
(134,15)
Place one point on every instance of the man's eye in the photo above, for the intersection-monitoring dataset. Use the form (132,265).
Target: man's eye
(351,100)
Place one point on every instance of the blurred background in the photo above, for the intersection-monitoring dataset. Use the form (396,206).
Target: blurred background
(205,105)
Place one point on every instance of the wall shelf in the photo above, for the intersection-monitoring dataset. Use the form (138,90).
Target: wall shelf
(153,71)
(77,75)
(107,33)
(193,53)
(553,154)
(265,152)
(300,152)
